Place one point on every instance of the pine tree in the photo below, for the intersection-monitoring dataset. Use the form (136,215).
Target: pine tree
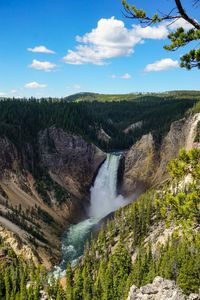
(2,286)
(23,291)
(78,284)
(59,295)
(7,283)
(69,283)
(87,281)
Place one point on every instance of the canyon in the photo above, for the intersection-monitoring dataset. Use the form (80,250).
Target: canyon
(69,165)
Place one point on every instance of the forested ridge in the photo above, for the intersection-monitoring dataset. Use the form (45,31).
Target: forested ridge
(22,120)
(123,254)
(79,97)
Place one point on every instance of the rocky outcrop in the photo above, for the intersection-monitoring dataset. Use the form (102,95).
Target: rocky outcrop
(133,126)
(160,289)
(9,158)
(140,164)
(103,136)
(18,244)
(71,161)
(145,164)
(181,135)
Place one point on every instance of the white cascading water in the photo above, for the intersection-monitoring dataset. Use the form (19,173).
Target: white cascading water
(104,200)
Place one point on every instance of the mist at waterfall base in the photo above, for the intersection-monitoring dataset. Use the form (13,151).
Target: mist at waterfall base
(104,200)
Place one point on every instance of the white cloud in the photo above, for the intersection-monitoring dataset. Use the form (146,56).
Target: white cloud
(3,94)
(155,33)
(13,91)
(41,49)
(161,65)
(180,23)
(76,87)
(111,39)
(124,76)
(35,85)
(43,65)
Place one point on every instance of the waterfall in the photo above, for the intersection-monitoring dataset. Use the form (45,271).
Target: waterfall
(104,200)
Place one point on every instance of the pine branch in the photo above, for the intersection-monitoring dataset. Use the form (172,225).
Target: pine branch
(185,16)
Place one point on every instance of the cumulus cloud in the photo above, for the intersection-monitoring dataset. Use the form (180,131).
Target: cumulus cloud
(111,39)
(35,85)
(3,94)
(41,49)
(155,33)
(124,76)
(161,65)
(42,65)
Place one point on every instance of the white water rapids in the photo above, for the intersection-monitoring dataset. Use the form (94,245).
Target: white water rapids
(104,200)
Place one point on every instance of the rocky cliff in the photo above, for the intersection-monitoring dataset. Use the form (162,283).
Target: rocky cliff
(139,166)
(160,289)
(70,160)
(43,187)
(145,163)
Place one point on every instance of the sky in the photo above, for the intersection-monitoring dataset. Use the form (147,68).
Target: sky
(61,47)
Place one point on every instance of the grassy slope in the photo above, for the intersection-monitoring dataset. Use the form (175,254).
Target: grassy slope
(131,97)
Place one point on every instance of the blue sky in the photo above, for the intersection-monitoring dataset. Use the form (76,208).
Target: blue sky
(61,47)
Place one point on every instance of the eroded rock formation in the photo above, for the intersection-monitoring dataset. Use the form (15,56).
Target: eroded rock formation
(160,289)
(145,164)
(71,161)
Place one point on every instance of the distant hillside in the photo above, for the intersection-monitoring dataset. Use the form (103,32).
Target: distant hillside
(90,97)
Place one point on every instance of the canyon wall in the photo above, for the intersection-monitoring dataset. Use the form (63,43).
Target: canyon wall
(59,168)
(144,165)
